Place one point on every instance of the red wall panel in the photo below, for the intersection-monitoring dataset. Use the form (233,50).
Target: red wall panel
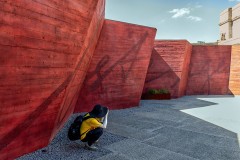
(45,49)
(234,82)
(209,70)
(81,68)
(118,67)
(168,68)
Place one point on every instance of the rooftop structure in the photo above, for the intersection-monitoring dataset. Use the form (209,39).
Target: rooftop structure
(230,25)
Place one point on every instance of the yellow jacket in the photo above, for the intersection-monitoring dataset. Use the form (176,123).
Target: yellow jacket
(89,125)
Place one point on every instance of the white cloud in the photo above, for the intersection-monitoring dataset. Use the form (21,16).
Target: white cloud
(183,12)
(194,18)
(180,12)
(234,0)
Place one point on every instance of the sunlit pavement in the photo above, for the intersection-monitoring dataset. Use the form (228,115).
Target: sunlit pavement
(188,128)
(225,112)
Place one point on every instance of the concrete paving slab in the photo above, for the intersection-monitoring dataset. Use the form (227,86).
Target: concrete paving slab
(114,156)
(138,122)
(186,102)
(131,132)
(170,115)
(136,150)
(156,116)
(176,156)
(200,146)
(225,112)
(207,128)
(194,137)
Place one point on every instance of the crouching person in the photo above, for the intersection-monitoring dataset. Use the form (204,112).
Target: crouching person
(92,128)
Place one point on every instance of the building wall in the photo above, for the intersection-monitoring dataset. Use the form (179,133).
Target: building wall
(168,68)
(45,50)
(224,24)
(231,41)
(236,21)
(209,70)
(225,28)
(224,15)
(234,82)
(118,67)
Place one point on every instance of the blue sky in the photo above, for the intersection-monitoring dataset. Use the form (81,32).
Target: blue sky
(193,20)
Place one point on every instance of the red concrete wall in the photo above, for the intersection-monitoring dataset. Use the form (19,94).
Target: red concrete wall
(45,49)
(118,67)
(209,70)
(168,68)
(234,82)
(82,66)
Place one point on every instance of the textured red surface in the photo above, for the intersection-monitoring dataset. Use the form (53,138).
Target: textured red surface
(118,67)
(234,82)
(45,51)
(85,57)
(46,48)
(209,70)
(168,68)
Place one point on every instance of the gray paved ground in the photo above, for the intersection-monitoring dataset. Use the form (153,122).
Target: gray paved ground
(156,130)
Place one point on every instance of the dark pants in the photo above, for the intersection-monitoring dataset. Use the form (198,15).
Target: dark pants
(93,135)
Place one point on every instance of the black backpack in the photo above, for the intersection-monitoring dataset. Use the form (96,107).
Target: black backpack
(74,129)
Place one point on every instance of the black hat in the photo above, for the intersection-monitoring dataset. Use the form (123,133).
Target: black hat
(98,111)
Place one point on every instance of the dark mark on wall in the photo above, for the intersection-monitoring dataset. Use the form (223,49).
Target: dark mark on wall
(210,72)
(129,57)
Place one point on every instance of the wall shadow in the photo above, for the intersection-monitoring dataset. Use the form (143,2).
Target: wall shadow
(161,76)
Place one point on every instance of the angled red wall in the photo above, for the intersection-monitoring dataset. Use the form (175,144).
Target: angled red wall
(118,67)
(234,82)
(169,66)
(87,50)
(209,70)
(45,49)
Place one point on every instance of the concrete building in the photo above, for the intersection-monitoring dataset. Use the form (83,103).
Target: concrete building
(230,26)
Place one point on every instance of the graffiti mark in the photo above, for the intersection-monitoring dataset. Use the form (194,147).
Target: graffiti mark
(129,57)
(222,67)
(124,75)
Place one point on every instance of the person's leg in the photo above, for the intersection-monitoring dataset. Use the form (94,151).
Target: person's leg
(94,135)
